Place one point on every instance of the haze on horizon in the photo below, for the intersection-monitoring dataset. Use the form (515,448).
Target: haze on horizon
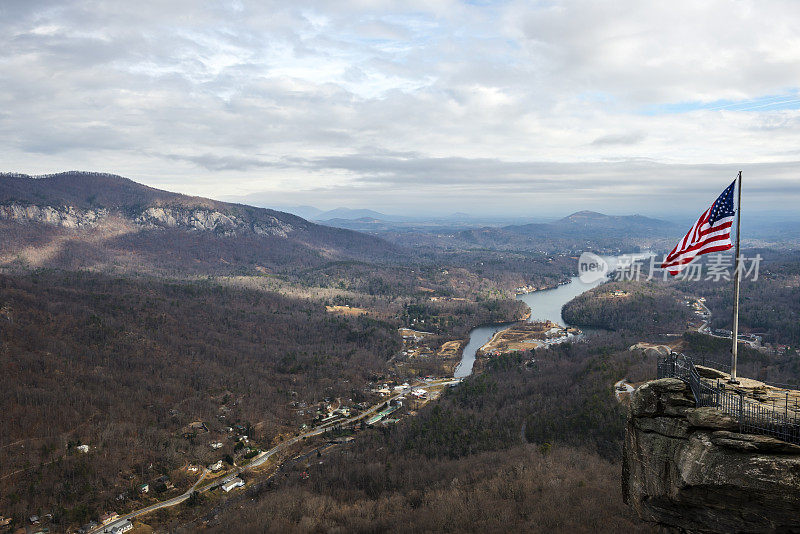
(429,107)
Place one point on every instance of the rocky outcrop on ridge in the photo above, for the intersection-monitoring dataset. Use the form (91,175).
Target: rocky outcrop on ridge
(199,219)
(688,469)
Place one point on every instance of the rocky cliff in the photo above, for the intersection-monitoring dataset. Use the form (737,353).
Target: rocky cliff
(66,216)
(86,200)
(200,219)
(687,469)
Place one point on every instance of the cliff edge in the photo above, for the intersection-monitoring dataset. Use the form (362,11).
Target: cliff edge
(688,469)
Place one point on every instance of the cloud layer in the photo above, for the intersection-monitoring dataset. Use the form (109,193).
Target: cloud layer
(412,106)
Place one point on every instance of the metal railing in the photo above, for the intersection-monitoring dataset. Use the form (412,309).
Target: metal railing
(705,361)
(753,417)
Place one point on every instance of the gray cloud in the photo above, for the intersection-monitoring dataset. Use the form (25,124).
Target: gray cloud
(619,139)
(224,163)
(479,105)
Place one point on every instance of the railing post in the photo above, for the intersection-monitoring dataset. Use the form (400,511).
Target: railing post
(741,409)
(786,418)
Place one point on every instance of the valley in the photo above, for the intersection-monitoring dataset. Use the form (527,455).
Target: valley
(152,340)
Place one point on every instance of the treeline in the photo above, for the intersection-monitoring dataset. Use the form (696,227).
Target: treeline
(124,365)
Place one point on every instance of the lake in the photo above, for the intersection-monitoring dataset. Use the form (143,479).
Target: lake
(545,305)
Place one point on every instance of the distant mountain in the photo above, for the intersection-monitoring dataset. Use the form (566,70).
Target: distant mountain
(103,221)
(582,222)
(351,214)
(582,230)
(306,212)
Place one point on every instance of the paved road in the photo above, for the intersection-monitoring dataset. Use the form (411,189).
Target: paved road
(262,457)
(704,329)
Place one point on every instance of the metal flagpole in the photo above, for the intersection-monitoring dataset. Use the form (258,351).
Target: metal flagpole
(735,333)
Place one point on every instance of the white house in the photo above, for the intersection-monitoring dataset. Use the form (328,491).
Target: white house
(216,466)
(82,448)
(232,484)
(118,527)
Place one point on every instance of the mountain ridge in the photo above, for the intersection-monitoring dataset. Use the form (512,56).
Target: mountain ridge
(130,219)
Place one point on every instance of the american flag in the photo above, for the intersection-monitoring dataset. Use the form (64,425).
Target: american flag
(711,233)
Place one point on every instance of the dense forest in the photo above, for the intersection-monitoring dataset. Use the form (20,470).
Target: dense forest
(124,365)
(641,307)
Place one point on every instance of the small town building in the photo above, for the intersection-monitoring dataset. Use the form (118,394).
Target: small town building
(232,484)
(108,517)
(216,466)
(82,448)
(144,488)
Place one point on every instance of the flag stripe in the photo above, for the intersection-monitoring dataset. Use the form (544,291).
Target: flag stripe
(710,233)
(725,234)
(710,248)
(677,268)
(707,229)
(686,258)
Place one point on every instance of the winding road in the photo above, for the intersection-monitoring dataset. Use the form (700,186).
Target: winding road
(262,457)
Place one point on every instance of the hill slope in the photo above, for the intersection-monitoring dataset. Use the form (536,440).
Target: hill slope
(580,231)
(103,221)
(581,222)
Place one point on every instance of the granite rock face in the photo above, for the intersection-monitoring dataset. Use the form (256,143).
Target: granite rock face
(686,469)
(194,219)
(65,216)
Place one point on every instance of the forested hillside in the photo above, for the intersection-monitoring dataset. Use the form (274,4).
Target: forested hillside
(124,365)
(644,308)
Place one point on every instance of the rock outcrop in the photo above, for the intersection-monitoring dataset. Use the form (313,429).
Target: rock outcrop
(209,221)
(687,469)
(651,349)
(198,219)
(66,216)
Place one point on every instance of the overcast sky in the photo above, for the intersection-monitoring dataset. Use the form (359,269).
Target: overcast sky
(536,108)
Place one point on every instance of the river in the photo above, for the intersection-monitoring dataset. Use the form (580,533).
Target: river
(545,305)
